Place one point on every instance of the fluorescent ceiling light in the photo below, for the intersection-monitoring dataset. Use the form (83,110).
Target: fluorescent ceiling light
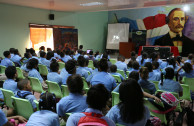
(186,8)
(91,4)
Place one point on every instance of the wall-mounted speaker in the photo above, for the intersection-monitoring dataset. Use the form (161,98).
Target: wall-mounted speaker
(51,16)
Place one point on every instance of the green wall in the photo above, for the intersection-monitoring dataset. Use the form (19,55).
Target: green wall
(14,26)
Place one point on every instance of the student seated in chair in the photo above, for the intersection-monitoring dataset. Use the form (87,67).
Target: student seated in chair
(81,70)
(75,102)
(97,98)
(46,116)
(113,70)
(6,61)
(25,92)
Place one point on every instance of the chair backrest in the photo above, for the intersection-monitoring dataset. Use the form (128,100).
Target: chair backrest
(61,65)
(117,124)
(151,107)
(7,97)
(121,72)
(20,73)
(113,61)
(156,84)
(90,64)
(85,83)
(2,69)
(43,69)
(65,91)
(36,85)
(186,92)
(117,78)
(190,82)
(115,98)
(53,87)
(23,107)
(37,104)
(127,73)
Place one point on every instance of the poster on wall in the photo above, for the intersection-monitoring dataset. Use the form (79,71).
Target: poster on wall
(165,26)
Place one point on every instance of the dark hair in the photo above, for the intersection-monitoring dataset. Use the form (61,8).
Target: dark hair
(155,64)
(49,55)
(97,53)
(86,62)
(62,54)
(120,58)
(75,84)
(178,59)
(67,52)
(80,46)
(6,53)
(10,72)
(133,53)
(11,50)
(47,101)
(113,68)
(149,66)
(144,73)
(171,61)
(22,83)
(80,51)
(81,61)
(131,97)
(103,65)
(91,52)
(42,54)
(58,51)
(42,48)
(130,64)
(32,63)
(105,56)
(144,56)
(16,51)
(31,51)
(70,66)
(54,66)
(134,75)
(190,56)
(187,67)
(27,55)
(154,56)
(97,97)
(135,65)
(95,63)
(169,74)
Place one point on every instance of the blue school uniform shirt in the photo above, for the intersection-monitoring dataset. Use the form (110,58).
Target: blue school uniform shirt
(154,76)
(77,55)
(45,62)
(36,74)
(57,56)
(43,118)
(145,84)
(139,58)
(97,57)
(10,84)
(71,104)
(130,70)
(66,58)
(88,69)
(121,65)
(188,61)
(114,114)
(118,75)
(63,73)
(170,86)
(3,119)
(142,64)
(55,77)
(64,79)
(94,72)
(6,62)
(171,66)
(16,58)
(1,95)
(74,118)
(82,72)
(188,75)
(30,97)
(104,78)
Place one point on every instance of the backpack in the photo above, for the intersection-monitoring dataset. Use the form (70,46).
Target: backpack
(92,119)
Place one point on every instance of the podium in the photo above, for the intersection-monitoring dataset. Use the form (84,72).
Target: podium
(125,48)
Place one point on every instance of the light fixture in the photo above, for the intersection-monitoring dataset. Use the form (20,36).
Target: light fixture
(92,4)
(186,8)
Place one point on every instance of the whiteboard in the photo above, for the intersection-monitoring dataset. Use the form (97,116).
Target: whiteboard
(117,33)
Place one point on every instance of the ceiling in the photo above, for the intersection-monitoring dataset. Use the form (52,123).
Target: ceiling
(96,5)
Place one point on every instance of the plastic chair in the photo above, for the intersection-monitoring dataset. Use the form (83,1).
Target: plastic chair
(61,65)
(23,107)
(113,61)
(127,72)
(121,72)
(151,107)
(85,83)
(43,69)
(53,87)
(190,82)
(20,73)
(36,85)
(37,104)
(186,92)
(2,69)
(119,124)
(117,78)
(115,98)
(90,64)
(156,84)
(65,91)
(146,90)
(7,97)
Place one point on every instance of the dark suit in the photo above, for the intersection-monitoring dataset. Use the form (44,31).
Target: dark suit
(187,47)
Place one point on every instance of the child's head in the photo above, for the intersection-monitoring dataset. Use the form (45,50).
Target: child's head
(135,65)
(169,73)
(16,52)
(121,58)
(27,55)
(42,48)
(133,53)
(49,55)
(187,67)
(105,56)
(75,84)
(113,68)
(86,62)
(155,65)
(95,63)
(190,56)
(67,52)
(134,75)
(70,66)
(42,54)
(149,66)
(130,64)
(32,63)
(97,97)
(54,66)
(144,73)
(171,61)
(11,72)
(24,85)
(31,51)
(81,61)
(58,51)
(7,54)
(103,65)
(47,101)
(91,52)
(11,50)
(62,54)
